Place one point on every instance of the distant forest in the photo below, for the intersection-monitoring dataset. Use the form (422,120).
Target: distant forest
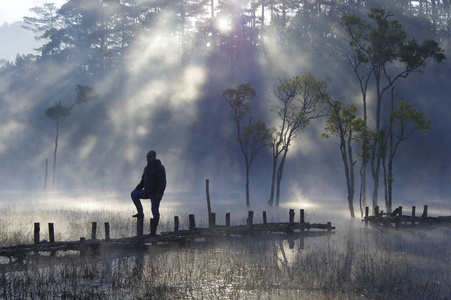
(161,67)
(97,37)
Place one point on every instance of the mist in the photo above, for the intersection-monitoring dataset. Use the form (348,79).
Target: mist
(165,95)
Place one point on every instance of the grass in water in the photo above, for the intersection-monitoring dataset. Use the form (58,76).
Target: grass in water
(354,263)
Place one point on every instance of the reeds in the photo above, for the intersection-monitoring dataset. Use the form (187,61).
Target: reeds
(359,264)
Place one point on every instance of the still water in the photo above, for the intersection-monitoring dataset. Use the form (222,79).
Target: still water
(354,262)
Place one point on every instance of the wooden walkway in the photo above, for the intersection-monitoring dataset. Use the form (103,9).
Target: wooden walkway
(18,254)
(398,219)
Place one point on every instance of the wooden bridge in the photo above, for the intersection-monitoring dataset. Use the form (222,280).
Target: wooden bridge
(18,254)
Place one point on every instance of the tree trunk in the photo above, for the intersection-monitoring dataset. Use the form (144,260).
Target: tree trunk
(375,158)
(54,155)
(387,205)
(279,176)
(46,173)
(390,183)
(273,178)
(348,167)
(348,164)
(363,202)
(388,202)
(212,9)
(247,183)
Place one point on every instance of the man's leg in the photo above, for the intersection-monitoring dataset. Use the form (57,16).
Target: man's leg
(156,214)
(155,207)
(136,196)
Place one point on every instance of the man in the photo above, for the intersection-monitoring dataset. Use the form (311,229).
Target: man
(152,186)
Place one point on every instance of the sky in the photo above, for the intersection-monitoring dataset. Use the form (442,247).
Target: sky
(13,11)
(20,41)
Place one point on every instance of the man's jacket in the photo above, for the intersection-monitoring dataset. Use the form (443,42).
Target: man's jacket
(153,180)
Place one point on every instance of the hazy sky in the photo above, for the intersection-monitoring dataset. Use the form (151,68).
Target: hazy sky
(12,11)
(20,41)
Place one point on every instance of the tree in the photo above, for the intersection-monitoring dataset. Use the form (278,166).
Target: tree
(47,19)
(384,54)
(252,137)
(296,101)
(341,122)
(59,112)
(404,122)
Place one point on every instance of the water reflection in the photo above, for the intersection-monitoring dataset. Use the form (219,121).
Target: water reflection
(354,262)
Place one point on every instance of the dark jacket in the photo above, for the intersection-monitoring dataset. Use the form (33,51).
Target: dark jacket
(153,180)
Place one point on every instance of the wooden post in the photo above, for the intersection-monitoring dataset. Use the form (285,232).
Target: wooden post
(176,223)
(192,222)
(94,231)
(301,219)
(367,211)
(52,237)
(399,217)
(291,217)
(227,217)
(264,218)
(37,230)
(212,220)
(250,218)
(413,215)
(82,246)
(107,231)
(425,212)
(329,226)
(140,226)
(290,228)
(376,211)
(207,191)
(291,243)
(51,233)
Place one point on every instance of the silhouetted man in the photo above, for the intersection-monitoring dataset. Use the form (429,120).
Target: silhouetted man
(151,186)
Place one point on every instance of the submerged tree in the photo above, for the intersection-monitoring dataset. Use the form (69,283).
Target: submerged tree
(251,136)
(382,53)
(341,123)
(296,101)
(59,112)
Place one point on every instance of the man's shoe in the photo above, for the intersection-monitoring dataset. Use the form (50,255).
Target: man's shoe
(138,215)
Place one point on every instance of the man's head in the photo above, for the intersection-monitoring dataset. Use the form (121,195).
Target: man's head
(151,156)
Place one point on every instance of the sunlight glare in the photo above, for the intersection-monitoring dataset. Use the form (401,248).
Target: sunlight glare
(223,25)
(87,147)
(154,48)
(9,133)
(191,84)
(299,200)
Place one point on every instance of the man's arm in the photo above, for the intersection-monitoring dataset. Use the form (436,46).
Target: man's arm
(140,185)
(161,182)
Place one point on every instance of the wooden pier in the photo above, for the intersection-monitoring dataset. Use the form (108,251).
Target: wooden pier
(398,219)
(94,245)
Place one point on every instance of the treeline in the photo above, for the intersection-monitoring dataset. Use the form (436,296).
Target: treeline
(97,36)
(123,45)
